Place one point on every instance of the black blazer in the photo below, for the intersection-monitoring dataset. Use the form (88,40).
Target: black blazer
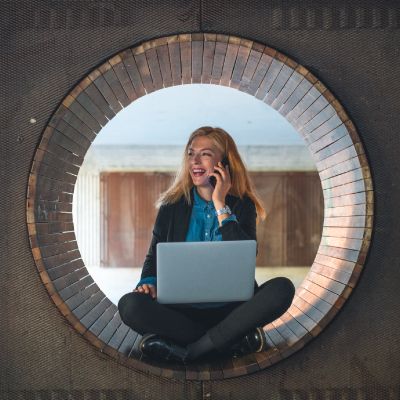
(173,220)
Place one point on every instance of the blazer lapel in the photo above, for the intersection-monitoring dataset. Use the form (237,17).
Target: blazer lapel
(182,217)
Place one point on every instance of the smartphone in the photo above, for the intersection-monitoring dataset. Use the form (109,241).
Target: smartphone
(213,179)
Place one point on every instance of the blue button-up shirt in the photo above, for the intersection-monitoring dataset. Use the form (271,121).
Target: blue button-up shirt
(204,223)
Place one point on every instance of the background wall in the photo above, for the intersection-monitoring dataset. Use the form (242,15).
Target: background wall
(47,47)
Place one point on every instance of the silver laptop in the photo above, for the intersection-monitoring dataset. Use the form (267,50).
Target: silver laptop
(204,272)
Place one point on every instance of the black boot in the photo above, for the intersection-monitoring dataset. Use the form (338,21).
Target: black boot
(158,348)
(253,342)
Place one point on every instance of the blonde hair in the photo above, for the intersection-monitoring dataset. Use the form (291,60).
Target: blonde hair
(241,182)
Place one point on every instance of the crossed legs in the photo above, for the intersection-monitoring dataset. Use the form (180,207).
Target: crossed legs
(224,326)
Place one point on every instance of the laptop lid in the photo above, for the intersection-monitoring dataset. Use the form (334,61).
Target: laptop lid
(202,272)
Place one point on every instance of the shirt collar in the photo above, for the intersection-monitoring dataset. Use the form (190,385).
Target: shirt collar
(200,202)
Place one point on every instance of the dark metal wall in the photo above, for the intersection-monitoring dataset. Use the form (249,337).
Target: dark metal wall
(46,47)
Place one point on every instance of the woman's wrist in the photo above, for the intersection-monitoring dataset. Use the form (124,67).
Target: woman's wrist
(219,205)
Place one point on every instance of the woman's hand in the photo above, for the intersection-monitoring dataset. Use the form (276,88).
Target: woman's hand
(147,289)
(222,186)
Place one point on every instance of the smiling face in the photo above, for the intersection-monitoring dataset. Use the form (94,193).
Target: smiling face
(203,156)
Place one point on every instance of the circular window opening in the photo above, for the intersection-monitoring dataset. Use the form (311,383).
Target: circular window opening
(228,61)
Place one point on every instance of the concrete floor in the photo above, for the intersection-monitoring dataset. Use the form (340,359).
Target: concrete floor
(115,282)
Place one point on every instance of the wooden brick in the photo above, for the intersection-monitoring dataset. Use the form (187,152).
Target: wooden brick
(123,77)
(358,209)
(304,320)
(210,37)
(327,283)
(305,122)
(116,87)
(192,373)
(161,41)
(69,279)
(51,172)
(54,227)
(144,364)
(294,99)
(356,233)
(76,287)
(308,309)
(334,274)
(175,59)
(52,195)
(79,111)
(70,132)
(60,158)
(332,298)
(106,92)
(78,125)
(322,117)
(240,64)
(103,321)
(156,368)
(314,300)
(348,177)
(186,61)
(348,188)
(229,62)
(134,75)
(208,60)
(279,84)
(219,58)
(165,66)
(290,338)
(309,98)
(290,87)
(127,345)
(269,78)
(54,261)
(263,359)
(228,369)
(333,148)
(81,310)
(197,59)
(339,157)
(152,61)
(53,184)
(44,206)
(216,372)
(65,269)
(344,254)
(68,144)
(86,102)
(108,332)
(204,371)
(250,69)
(239,366)
(345,166)
(331,124)
(92,316)
(327,139)
(280,343)
(116,340)
(350,222)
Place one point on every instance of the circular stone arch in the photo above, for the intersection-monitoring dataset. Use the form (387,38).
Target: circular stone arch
(224,60)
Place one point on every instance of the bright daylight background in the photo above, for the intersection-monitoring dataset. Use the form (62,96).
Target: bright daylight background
(159,124)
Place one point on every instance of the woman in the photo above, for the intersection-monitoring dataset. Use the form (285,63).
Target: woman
(192,210)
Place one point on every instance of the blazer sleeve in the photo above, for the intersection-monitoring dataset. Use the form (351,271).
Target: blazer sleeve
(245,227)
(160,233)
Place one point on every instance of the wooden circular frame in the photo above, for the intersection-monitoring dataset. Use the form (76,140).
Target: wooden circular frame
(222,60)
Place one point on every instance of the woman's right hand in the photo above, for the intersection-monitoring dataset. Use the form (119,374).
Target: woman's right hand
(147,289)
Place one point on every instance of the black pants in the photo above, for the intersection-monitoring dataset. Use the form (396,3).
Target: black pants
(225,325)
